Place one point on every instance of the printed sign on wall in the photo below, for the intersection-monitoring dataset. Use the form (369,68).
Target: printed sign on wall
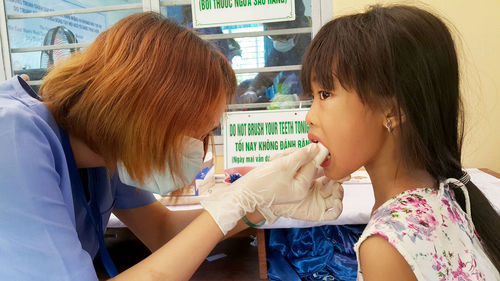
(251,138)
(207,13)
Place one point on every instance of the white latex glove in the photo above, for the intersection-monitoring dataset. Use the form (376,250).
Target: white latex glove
(318,158)
(284,180)
(323,202)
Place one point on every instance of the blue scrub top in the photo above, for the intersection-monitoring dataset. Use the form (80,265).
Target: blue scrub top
(44,234)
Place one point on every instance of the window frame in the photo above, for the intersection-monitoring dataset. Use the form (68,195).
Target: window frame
(7,51)
(321,12)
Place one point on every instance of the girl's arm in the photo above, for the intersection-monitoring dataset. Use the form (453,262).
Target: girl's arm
(379,260)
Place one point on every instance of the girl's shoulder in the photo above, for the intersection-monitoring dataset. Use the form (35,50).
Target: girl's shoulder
(421,214)
(430,230)
(414,204)
(413,215)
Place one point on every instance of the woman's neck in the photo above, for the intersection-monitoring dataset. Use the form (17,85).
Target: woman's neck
(84,156)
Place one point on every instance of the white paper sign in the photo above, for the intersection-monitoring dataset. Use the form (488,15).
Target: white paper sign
(251,138)
(207,13)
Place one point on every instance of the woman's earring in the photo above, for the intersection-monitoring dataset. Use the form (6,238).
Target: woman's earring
(388,125)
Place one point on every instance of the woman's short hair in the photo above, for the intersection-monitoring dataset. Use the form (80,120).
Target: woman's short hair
(137,90)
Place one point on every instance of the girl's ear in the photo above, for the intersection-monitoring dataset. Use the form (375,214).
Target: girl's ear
(394,116)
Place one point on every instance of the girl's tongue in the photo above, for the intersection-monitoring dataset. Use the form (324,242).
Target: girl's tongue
(327,161)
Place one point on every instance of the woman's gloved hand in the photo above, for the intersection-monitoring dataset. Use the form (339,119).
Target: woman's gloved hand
(323,202)
(284,180)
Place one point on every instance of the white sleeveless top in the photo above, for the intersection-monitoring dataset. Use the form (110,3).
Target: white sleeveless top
(434,235)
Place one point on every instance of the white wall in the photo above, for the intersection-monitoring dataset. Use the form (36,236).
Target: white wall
(478,25)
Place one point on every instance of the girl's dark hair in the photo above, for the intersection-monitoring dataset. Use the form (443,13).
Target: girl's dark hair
(405,55)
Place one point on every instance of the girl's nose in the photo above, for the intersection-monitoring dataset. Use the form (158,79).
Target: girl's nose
(311,116)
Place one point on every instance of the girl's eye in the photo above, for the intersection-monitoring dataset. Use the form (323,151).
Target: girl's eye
(324,95)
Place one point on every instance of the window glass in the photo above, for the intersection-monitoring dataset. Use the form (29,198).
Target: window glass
(66,29)
(37,32)
(37,6)
(282,51)
(266,56)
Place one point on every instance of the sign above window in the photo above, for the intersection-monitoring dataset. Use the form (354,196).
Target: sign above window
(207,13)
(251,138)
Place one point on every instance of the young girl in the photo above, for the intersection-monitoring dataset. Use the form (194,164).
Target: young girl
(386,97)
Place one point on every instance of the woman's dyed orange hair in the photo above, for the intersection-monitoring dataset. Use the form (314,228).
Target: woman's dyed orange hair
(137,90)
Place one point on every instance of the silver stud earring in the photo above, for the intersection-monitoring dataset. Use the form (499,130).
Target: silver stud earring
(388,125)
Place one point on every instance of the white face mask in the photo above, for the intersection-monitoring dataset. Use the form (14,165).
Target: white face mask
(284,46)
(163,182)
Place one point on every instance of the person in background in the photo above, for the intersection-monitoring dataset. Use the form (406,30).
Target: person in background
(386,95)
(129,116)
(228,47)
(287,50)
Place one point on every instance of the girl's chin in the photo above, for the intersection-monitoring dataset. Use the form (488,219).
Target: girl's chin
(329,173)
